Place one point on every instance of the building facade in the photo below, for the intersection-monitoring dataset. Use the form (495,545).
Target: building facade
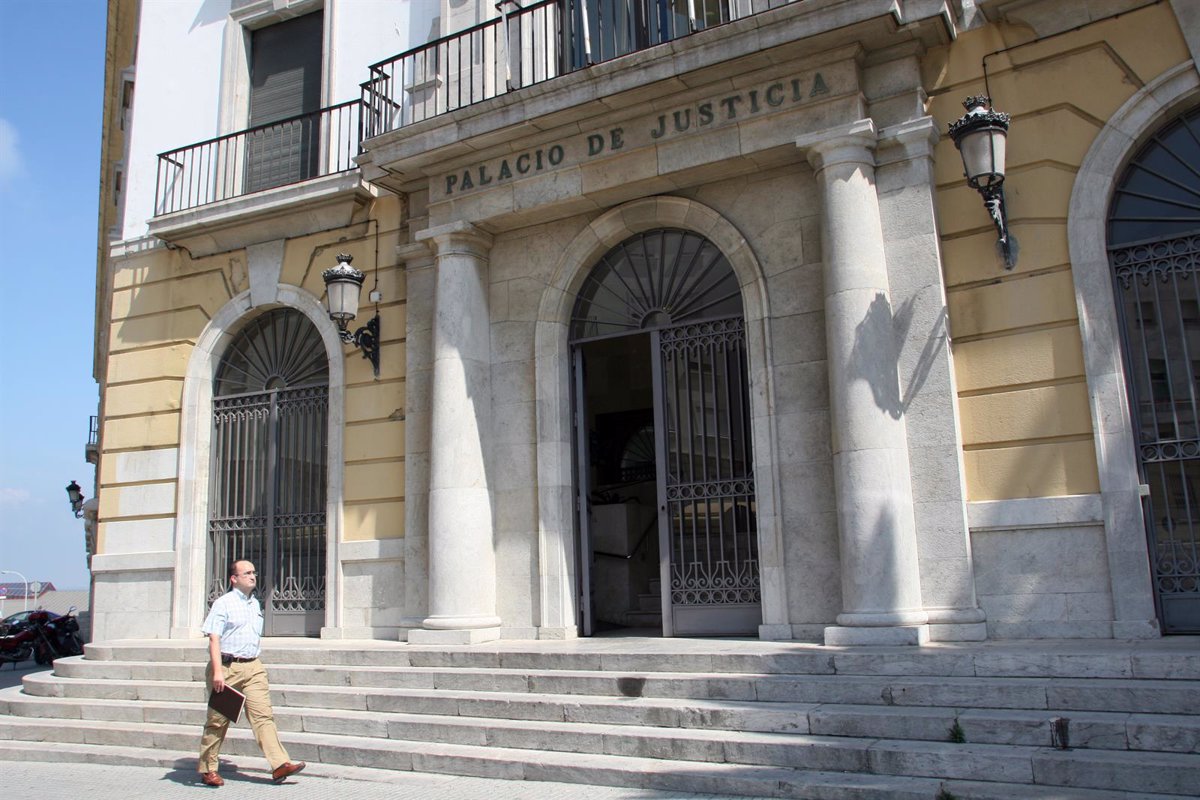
(688,322)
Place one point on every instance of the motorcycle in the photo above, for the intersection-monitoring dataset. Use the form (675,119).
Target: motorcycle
(44,638)
(62,634)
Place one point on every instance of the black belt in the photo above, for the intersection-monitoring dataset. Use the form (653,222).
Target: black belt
(226,660)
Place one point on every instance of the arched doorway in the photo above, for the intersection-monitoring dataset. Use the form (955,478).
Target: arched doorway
(1154,252)
(665,468)
(268,471)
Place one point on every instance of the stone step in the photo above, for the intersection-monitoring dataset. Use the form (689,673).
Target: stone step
(791,762)
(650,602)
(1099,730)
(643,619)
(1061,694)
(733,657)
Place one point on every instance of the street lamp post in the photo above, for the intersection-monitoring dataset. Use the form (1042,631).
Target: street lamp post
(23,580)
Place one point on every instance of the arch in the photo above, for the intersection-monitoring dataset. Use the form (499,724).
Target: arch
(556,541)
(1124,527)
(191,499)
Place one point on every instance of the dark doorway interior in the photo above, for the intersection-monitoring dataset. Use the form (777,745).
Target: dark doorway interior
(618,395)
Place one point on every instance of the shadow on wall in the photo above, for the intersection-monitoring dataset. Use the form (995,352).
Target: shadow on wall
(874,357)
(213,11)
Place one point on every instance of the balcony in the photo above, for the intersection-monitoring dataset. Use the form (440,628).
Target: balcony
(253,185)
(521,47)
(91,452)
(526,46)
(278,154)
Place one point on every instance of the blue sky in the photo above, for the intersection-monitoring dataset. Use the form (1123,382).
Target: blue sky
(52,62)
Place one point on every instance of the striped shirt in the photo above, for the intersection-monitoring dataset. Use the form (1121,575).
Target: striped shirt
(238,620)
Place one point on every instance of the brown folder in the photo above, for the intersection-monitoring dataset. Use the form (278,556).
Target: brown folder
(228,702)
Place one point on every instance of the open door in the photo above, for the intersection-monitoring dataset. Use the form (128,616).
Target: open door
(708,534)
(583,481)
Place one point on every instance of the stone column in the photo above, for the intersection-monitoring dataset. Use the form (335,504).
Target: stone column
(881,590)
(462,559)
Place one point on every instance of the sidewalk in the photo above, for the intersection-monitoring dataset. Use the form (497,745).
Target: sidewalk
(318,782)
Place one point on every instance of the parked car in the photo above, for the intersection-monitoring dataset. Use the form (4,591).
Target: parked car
(15,623)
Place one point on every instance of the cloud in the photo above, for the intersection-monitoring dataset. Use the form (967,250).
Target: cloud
(11,164)
(12,498)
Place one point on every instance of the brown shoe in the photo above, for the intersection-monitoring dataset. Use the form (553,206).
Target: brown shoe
(282,772)
(211,779)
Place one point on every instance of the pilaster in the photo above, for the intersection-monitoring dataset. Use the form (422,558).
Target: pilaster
(881,592)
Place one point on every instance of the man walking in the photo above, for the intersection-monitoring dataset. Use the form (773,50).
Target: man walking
(234,627)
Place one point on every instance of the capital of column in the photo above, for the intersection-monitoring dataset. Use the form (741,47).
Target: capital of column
(415,255)
(909,141)
(845,144)
(457,238)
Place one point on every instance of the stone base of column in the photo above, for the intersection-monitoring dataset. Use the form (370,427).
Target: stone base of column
(958,632)
(461,636)
(1136,629)
(897,635)
(775,633)
(957,624)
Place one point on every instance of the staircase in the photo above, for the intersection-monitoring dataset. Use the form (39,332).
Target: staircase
(648,613)
(708,716)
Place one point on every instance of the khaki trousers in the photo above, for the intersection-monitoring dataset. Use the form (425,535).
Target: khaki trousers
(251,680)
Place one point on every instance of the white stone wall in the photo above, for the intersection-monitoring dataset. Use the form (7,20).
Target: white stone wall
(371,573)
(1040,568)
(132,598)
(777,212)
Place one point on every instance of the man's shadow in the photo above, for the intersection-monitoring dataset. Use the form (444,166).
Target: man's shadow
(184,772)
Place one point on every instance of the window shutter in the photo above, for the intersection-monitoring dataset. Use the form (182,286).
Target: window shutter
(285,69)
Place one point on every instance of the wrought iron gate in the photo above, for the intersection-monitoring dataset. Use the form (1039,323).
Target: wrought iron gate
(268,480)
(707,504)
(268,503)
(1154,251)
(1158,294)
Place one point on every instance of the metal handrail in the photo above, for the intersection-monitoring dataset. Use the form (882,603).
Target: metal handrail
(646,533)
(323,142)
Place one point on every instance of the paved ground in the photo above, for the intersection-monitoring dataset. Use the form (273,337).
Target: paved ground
(11,675)
(318,782)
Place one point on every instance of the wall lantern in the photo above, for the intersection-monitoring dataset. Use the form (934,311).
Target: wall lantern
(980,136)
(343,284)
(75,494)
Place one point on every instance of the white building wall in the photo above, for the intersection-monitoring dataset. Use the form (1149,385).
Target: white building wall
(181,58)
(177,92)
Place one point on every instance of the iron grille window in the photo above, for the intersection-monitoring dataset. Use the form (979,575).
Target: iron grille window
(268,479)
(653,280)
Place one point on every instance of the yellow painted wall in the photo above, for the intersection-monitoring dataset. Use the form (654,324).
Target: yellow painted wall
(1026,420)
(160,302)
(119,53)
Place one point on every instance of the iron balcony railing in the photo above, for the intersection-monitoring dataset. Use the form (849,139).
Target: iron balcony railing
(313,145)
(93,431)
(524,46)
(521,47)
